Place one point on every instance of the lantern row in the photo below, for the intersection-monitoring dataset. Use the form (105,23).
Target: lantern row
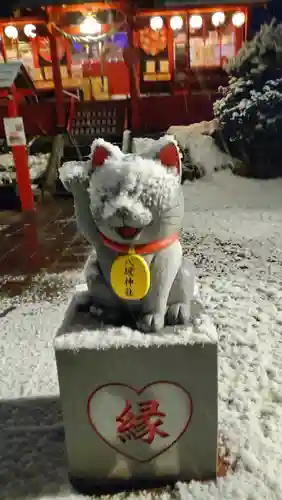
(196,21)
(91,26)
(12,32)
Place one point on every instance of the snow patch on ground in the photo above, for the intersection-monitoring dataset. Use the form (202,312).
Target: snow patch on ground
(203,152)
(232,233)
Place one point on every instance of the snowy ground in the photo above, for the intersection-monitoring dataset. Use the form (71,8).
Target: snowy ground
(233,234)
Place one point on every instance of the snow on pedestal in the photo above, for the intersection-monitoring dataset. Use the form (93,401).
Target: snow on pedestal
(139,410)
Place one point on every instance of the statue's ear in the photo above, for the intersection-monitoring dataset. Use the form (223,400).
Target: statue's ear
(99,156)
(101,151)
(169,156)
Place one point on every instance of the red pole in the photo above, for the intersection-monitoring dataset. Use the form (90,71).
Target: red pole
(69,56)
(4,50)
(61,117)
(170,49)
(20,156)
(34,47)
(132,69)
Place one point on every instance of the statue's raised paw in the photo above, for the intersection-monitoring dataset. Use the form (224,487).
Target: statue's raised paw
(178,314)
(151,323)
(75,174)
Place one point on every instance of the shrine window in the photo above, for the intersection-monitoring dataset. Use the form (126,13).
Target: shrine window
(181,47)
(111,49)
(211,46)
(19,48)
(114,47)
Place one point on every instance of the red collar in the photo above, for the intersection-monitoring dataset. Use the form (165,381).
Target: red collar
(147,248)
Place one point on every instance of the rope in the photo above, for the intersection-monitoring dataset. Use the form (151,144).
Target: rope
(89,38)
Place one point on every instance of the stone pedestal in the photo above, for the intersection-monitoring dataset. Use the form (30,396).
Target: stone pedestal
(139,410)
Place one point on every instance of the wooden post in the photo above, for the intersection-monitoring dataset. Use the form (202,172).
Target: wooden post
(61,116)
(20,156)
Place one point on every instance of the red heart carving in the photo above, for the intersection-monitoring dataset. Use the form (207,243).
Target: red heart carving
(109,397)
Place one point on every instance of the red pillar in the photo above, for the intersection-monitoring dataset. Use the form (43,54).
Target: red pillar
(20,156)
(4,50)
(69,57)
(170,49)
(134,117)
(34,46)
(61,116)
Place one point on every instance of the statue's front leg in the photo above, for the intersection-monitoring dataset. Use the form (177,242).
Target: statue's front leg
(164,268)
(102,297)
(181,295)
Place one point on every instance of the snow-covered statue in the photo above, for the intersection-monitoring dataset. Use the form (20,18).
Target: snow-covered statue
(130,208)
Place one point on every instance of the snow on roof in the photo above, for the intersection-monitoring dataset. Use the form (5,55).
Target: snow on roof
(12,71)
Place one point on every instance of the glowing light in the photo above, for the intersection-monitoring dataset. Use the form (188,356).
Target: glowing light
(11,32)
(176,23)
(30,30)
(196,22)
(90,26)
(218,19)
(156,23)
(238,19)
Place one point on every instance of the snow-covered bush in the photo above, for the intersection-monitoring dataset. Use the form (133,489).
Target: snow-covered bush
(261,57)
(37,167)
(250,110)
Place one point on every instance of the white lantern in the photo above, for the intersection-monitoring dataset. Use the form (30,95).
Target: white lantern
(11,32)
(218,19)
(90,26)
(238,19)
(196,22)
(156,23)
(176,23)
(30,31)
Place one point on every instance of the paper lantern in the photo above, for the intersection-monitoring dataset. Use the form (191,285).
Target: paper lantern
(238,19)
(11,32)
(156,23)
(218,19)
(176,23)
(90,26)
(196,22)
(30,30)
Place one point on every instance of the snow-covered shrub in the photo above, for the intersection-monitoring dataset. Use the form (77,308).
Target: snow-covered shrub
(200,155)
(250,110)
(37,165)
(261,57)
